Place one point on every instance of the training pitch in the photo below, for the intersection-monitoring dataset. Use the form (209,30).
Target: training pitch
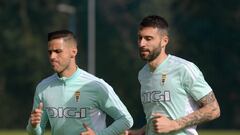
(201,132)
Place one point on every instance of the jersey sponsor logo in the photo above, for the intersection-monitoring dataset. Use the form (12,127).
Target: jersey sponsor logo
(163,79)
(77,96)
(68,112)
(156,96)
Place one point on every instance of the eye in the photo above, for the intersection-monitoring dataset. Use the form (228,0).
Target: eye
(148,38)
(49,52)
(58,51)
(139,38)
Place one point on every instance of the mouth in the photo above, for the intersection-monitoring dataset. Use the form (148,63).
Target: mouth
(54,63)
(144,51)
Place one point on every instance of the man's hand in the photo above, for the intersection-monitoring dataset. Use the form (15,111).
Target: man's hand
(36,115)
(132,132)
(135,132)
(88,131)
(161,124)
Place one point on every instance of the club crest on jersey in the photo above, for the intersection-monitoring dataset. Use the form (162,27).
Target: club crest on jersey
(163,79)
(77,96)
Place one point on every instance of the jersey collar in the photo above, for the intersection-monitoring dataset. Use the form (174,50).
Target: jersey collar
(74,75)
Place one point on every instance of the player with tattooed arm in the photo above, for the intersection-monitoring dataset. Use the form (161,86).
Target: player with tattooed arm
(174,94)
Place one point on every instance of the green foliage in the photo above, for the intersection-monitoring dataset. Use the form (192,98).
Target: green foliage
(205,32)
(207,36)
(24,27)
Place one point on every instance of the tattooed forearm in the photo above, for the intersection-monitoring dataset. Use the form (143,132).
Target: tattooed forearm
(209,110)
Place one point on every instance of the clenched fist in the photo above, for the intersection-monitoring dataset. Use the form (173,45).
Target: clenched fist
(36,115)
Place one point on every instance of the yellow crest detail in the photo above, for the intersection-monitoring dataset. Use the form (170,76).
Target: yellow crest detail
(77,96)
(163,80)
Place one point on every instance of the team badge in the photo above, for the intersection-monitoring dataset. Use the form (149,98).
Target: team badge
(77,96)
(163,80)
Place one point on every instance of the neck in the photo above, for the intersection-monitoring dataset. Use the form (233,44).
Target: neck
(69,71)
(154,64)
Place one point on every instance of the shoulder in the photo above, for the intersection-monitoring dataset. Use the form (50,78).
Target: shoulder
(46,82)
(87,76)
(186,68)
(174,60)
(144,70)
(94,81)
(183,64)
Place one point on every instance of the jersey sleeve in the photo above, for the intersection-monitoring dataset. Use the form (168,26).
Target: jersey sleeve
(194,82)
(110,103)
(39,130)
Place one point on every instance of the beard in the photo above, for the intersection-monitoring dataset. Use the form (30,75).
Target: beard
(152,54)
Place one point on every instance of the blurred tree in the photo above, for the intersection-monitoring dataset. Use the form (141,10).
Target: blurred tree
(24,27)
(209,36)
(205,32)
(116,50)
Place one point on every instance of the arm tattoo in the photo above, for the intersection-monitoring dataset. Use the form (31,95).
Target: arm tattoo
(209,98)
(209,110)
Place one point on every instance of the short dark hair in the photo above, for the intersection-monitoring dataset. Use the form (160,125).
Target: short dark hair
(66,34)
(154,21)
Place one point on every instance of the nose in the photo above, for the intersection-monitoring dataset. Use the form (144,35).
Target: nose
(52,56)
(141,42)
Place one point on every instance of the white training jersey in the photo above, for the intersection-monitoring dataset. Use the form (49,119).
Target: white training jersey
(81,98)
(172,89)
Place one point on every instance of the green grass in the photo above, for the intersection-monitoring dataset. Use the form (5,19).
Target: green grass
(17,132)
(219,132)
(201,132)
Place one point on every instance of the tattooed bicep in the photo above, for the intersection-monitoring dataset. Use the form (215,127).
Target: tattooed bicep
(209,98)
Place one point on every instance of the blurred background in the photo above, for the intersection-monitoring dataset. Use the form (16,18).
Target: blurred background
(204,32)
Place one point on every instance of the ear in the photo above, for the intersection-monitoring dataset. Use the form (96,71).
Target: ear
(74,52)
(164,41)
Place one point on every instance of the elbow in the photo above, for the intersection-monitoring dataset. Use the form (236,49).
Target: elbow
(130,122)
(216,113)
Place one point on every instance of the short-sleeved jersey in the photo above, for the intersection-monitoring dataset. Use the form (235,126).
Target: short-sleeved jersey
(172,89)
(81,98)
